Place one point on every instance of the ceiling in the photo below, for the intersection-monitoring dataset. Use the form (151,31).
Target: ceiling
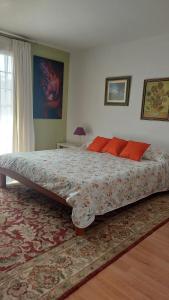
(79,24)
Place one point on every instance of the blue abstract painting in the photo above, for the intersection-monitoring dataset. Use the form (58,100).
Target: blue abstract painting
(47,88)
(117,91)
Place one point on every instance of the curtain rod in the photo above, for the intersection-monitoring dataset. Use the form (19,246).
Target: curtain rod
(25,39)
(14,37)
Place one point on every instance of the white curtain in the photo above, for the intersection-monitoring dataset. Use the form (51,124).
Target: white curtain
(6,95)
(23,131)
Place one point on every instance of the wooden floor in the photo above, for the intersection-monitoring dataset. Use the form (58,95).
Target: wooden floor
(140,274)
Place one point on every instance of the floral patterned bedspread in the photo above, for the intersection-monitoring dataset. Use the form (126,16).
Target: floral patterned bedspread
(92,183)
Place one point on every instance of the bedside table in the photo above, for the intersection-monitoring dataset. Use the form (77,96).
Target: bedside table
(67,145)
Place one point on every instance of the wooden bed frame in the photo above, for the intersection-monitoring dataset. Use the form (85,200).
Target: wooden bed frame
(6,172)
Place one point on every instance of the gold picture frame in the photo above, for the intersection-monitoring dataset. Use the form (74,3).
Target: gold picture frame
(117,90)
(155,101)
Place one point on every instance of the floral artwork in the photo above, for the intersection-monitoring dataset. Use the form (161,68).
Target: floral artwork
(48,88)
(156,99)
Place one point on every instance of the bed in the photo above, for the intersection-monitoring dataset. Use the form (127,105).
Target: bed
(91,183)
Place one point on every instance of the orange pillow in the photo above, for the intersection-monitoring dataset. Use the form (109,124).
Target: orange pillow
(115,146)
(98,144)
(134,150)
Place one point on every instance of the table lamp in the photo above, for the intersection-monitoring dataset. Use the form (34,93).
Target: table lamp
(80,132)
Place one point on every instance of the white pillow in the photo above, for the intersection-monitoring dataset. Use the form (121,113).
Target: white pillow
(85,145)
(155,154)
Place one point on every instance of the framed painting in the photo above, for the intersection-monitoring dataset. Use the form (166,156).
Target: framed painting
(47,88)
(155,102)
(117,90)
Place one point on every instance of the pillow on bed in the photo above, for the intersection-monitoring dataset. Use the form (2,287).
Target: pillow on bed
(115,146)
(98,144)
(84,146)
(155,154)
(134,150)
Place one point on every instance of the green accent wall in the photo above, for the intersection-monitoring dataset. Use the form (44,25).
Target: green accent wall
(49,132)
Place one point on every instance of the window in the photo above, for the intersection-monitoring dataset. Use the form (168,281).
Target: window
(6,103)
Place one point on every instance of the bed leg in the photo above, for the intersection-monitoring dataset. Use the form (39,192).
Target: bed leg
(2,181)
(79,231)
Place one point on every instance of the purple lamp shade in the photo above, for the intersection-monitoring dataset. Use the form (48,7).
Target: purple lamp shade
(79,131)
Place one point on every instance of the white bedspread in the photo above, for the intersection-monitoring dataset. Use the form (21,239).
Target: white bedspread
(92,183)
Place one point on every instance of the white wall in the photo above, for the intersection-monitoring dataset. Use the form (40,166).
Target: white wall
(141,59)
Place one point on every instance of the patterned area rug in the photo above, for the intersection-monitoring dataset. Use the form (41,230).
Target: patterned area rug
(40,255)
